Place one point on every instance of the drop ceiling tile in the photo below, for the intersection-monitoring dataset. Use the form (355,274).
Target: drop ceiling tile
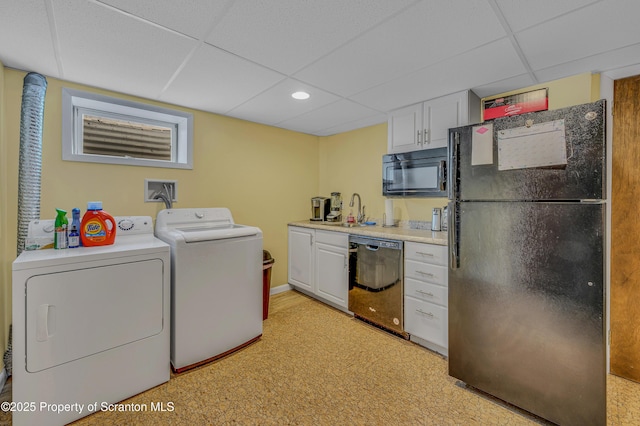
(353,125)
(486,64)
(624,72)
(190,17)
(335,114)
(26,43)
(217,81)
(600,63)
(422,35)
(504,85)
(589,31)
(521,14)
(276,104)
(107,49)
(291,33)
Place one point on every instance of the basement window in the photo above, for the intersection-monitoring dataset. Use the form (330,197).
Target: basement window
(102,129)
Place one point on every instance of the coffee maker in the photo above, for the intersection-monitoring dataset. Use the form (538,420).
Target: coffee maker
(319,208)
(336,208)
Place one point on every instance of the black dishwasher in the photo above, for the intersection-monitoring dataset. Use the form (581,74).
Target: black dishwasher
(375,282)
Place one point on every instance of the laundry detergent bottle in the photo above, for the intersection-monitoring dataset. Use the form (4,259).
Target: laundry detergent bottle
(98,228)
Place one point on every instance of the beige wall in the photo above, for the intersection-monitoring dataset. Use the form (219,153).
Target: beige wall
(263,174)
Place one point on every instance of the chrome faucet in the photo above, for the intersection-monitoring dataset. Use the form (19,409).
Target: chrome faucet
(360,217)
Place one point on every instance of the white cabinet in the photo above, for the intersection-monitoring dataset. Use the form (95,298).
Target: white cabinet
(319,264)
(332,267)
(405,129)
(426,125)
(426,295)
(301,257)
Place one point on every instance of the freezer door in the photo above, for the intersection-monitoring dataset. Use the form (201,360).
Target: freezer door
(526,307)
(549,155)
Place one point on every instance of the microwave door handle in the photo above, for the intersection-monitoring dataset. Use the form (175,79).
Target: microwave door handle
(442,172)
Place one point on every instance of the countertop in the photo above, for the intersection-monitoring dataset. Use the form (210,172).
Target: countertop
(377,231)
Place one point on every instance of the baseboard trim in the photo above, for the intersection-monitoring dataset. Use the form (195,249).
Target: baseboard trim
(3,378)
(280,289)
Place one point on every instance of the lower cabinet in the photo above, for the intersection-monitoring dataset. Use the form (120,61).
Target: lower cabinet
(301,257)
(319,264)
(426,295)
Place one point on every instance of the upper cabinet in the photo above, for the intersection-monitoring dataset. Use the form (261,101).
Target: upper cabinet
(426,125)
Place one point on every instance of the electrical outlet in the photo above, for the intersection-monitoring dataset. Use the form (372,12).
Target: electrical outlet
(153,187)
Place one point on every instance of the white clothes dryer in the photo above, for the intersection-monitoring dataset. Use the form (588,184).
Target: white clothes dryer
(90,324)
(216,284)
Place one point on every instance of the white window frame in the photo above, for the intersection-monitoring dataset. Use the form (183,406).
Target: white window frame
(76,101)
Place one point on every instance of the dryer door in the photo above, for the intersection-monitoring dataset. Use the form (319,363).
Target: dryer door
(78,313)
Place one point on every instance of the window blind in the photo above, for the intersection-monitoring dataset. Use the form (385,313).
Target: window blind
(119,138)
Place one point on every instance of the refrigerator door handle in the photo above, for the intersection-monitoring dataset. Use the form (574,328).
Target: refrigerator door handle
(454,142)
(453,235)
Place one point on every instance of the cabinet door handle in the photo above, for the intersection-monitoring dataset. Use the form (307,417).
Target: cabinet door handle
(426,293)
(425,132)
(427,314)
(418,141)
(345,261)
(425,254)
(429,274)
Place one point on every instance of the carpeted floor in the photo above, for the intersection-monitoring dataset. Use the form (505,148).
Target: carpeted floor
(317,366)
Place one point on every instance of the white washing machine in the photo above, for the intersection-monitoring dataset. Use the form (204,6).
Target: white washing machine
(216,284)
(90,324)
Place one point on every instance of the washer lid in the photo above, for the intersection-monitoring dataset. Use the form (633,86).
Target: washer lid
(208,233)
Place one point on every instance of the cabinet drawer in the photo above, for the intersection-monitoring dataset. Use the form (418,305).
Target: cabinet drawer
(427,292)
(426,272)
(339,239)
(429,253)
(427,321)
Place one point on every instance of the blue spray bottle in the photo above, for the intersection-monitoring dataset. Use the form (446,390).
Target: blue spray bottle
(74,229)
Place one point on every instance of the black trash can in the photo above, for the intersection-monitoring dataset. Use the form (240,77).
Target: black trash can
(267,263)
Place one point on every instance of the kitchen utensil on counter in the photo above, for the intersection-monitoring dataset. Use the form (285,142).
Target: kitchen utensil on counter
(387,219)
(335,214)
(435,219)
(319,208)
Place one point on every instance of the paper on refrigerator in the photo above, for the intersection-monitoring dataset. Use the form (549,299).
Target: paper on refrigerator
(482,144)
(537,145)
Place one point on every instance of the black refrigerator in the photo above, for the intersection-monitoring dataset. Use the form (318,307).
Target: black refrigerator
(526,267)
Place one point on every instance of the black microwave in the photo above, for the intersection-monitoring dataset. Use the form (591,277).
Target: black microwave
(415,174)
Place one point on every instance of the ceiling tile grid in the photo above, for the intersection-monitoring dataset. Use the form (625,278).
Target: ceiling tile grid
(422,35)
(194,18)
(26,37)
(595,29)
(288,34)
(260,108)
(217,81)
(523,14)
(492,62)
(358,59)
(104,48)
(340,112)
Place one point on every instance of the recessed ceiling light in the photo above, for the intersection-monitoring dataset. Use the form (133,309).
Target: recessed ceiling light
(300,95)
